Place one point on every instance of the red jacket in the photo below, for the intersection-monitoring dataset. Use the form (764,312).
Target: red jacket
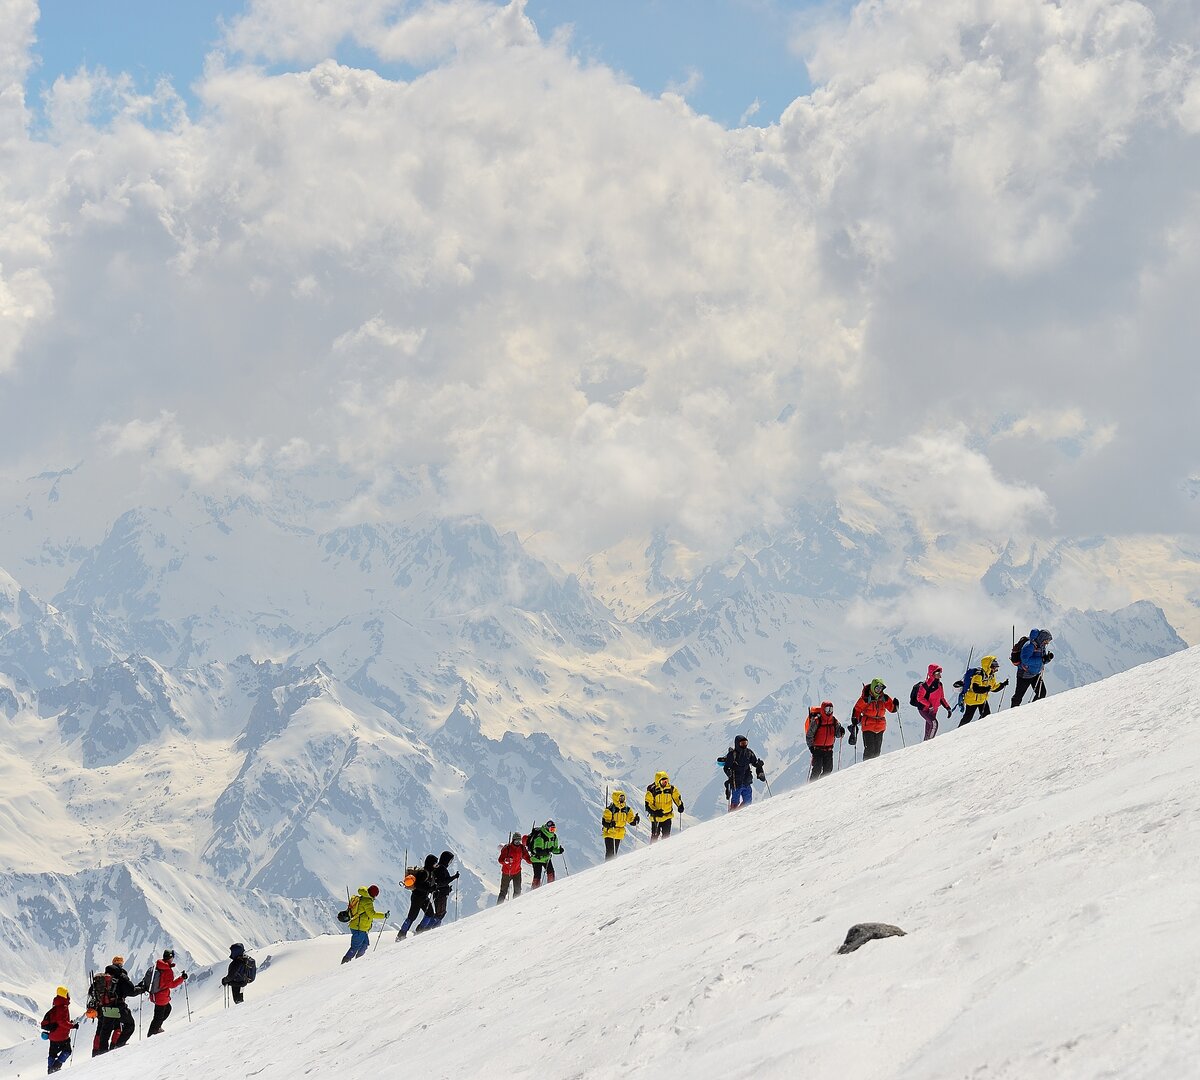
(60,1017)
(165,982)
(511,857)
(872,715)
(822,729)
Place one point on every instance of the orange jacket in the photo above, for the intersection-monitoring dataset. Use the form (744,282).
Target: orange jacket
(822,729)
(871,715)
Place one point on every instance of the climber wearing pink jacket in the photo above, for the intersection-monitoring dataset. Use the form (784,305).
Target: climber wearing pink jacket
(929,698)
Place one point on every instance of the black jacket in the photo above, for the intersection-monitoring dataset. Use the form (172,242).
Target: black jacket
(739,764)
(123,986)
(442,876)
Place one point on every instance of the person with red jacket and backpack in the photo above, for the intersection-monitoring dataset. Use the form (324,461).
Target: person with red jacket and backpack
(57,1026)
(165,973)
(821,731)
(512,855)
(870,713)
(115,1026)
(928,697)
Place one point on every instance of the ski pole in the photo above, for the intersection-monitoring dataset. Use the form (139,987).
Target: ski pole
(566,872)
(770,793)
(141,1002)
(900,724)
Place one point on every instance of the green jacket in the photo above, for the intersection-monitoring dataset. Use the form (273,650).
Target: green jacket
(363,913)
(543,844)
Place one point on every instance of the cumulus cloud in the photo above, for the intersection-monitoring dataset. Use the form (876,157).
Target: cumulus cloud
(584,310)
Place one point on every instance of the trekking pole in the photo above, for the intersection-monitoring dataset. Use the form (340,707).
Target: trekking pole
(900,724)
(186,1002)
(768,783)
(566,872)
(141,1002)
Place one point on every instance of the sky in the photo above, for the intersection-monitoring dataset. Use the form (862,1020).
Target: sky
(733,58)
(946,272)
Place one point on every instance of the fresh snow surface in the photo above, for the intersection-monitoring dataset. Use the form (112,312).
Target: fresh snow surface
(1045,863)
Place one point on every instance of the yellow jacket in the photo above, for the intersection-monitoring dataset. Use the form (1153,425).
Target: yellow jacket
(362,912)
(662,798)
(617,817)
(983,683)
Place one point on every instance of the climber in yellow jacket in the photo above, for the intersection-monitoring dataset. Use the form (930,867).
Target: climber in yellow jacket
(661,800)
(617,817)
(983,682)
(362,916)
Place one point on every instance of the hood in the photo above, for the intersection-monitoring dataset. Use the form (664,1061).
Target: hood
(362,891)
(430,862)
(618,797)
(932,673)
(985,665)
(60,1000)
(661,778)
(115,970)
(237,950)
(876,687)
(446,859)
(1034,633)
(826,705)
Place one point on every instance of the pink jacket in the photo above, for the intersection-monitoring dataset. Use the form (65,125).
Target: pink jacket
(930,696)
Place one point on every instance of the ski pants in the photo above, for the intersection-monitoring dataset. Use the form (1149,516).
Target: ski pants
(548,867)
(931,723)
(872,744)
(660,830)
(420,904)
(822,763)
(741,796)
(59,1051)
(236,990)
(441,902)
(981,710)
(161,1012)
(360,941)
(612,845)
(509,879)
(1023,684)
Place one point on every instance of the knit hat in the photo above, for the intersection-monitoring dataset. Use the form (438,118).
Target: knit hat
(62,991)
(373,890)
(516,838)
(119,960)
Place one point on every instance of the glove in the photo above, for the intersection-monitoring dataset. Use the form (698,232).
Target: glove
(75,1025)
(1047,658)
(1004,684)
(762,776)
(637,819)
(387,914)
(853,734)
(185,976)
(838,730)
(454,878)
(681,808)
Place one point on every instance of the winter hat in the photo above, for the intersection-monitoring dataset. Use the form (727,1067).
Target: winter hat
(168,954)
(237,949)
(740,739)
(373,890)
(118,960)
(62,991)
(549,825)
(877,686)
(516,838)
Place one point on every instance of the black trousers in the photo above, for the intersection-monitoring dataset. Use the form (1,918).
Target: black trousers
(505,881)
(161,1012)
(419,905)
(981,710)
(441,902)
(236,990)
(60,1050)
(1023,684)
(822,764)
(660,829)
(538,868)
(113,1031)
(612,845)
(872,744)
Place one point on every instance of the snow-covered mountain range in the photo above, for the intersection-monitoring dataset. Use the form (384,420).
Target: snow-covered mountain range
(1047,891)
(221,712)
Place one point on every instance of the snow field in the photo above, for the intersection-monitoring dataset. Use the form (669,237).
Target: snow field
(1045,863)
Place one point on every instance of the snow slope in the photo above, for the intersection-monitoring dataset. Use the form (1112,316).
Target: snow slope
(1045,863)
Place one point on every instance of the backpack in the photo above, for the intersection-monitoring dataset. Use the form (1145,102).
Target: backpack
(343,915)
(153,980)
(964,684)
(47,1023)
(912,697)
(100,991)
(1015,656)
(246,970)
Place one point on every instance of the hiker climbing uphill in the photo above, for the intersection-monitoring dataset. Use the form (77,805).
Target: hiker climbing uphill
(821,731)
(162,981)
(741,765)
(929,696)
(115,1026)
(512,855)
(1031,657)
(443,882)
(870,714)
(241,973)
(543,845)
(662,799)
(362,918)
(57,1026)
(977,684)
(617,817)
(424,881)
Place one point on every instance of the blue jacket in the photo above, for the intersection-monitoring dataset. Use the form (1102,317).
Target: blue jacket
(1031,658)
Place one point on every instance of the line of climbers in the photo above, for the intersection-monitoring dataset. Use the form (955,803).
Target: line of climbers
(108,997)
(823,730)
(431,884)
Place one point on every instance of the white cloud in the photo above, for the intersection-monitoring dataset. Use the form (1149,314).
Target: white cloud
(585,310)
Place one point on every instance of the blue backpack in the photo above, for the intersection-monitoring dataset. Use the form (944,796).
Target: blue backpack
(964,684)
